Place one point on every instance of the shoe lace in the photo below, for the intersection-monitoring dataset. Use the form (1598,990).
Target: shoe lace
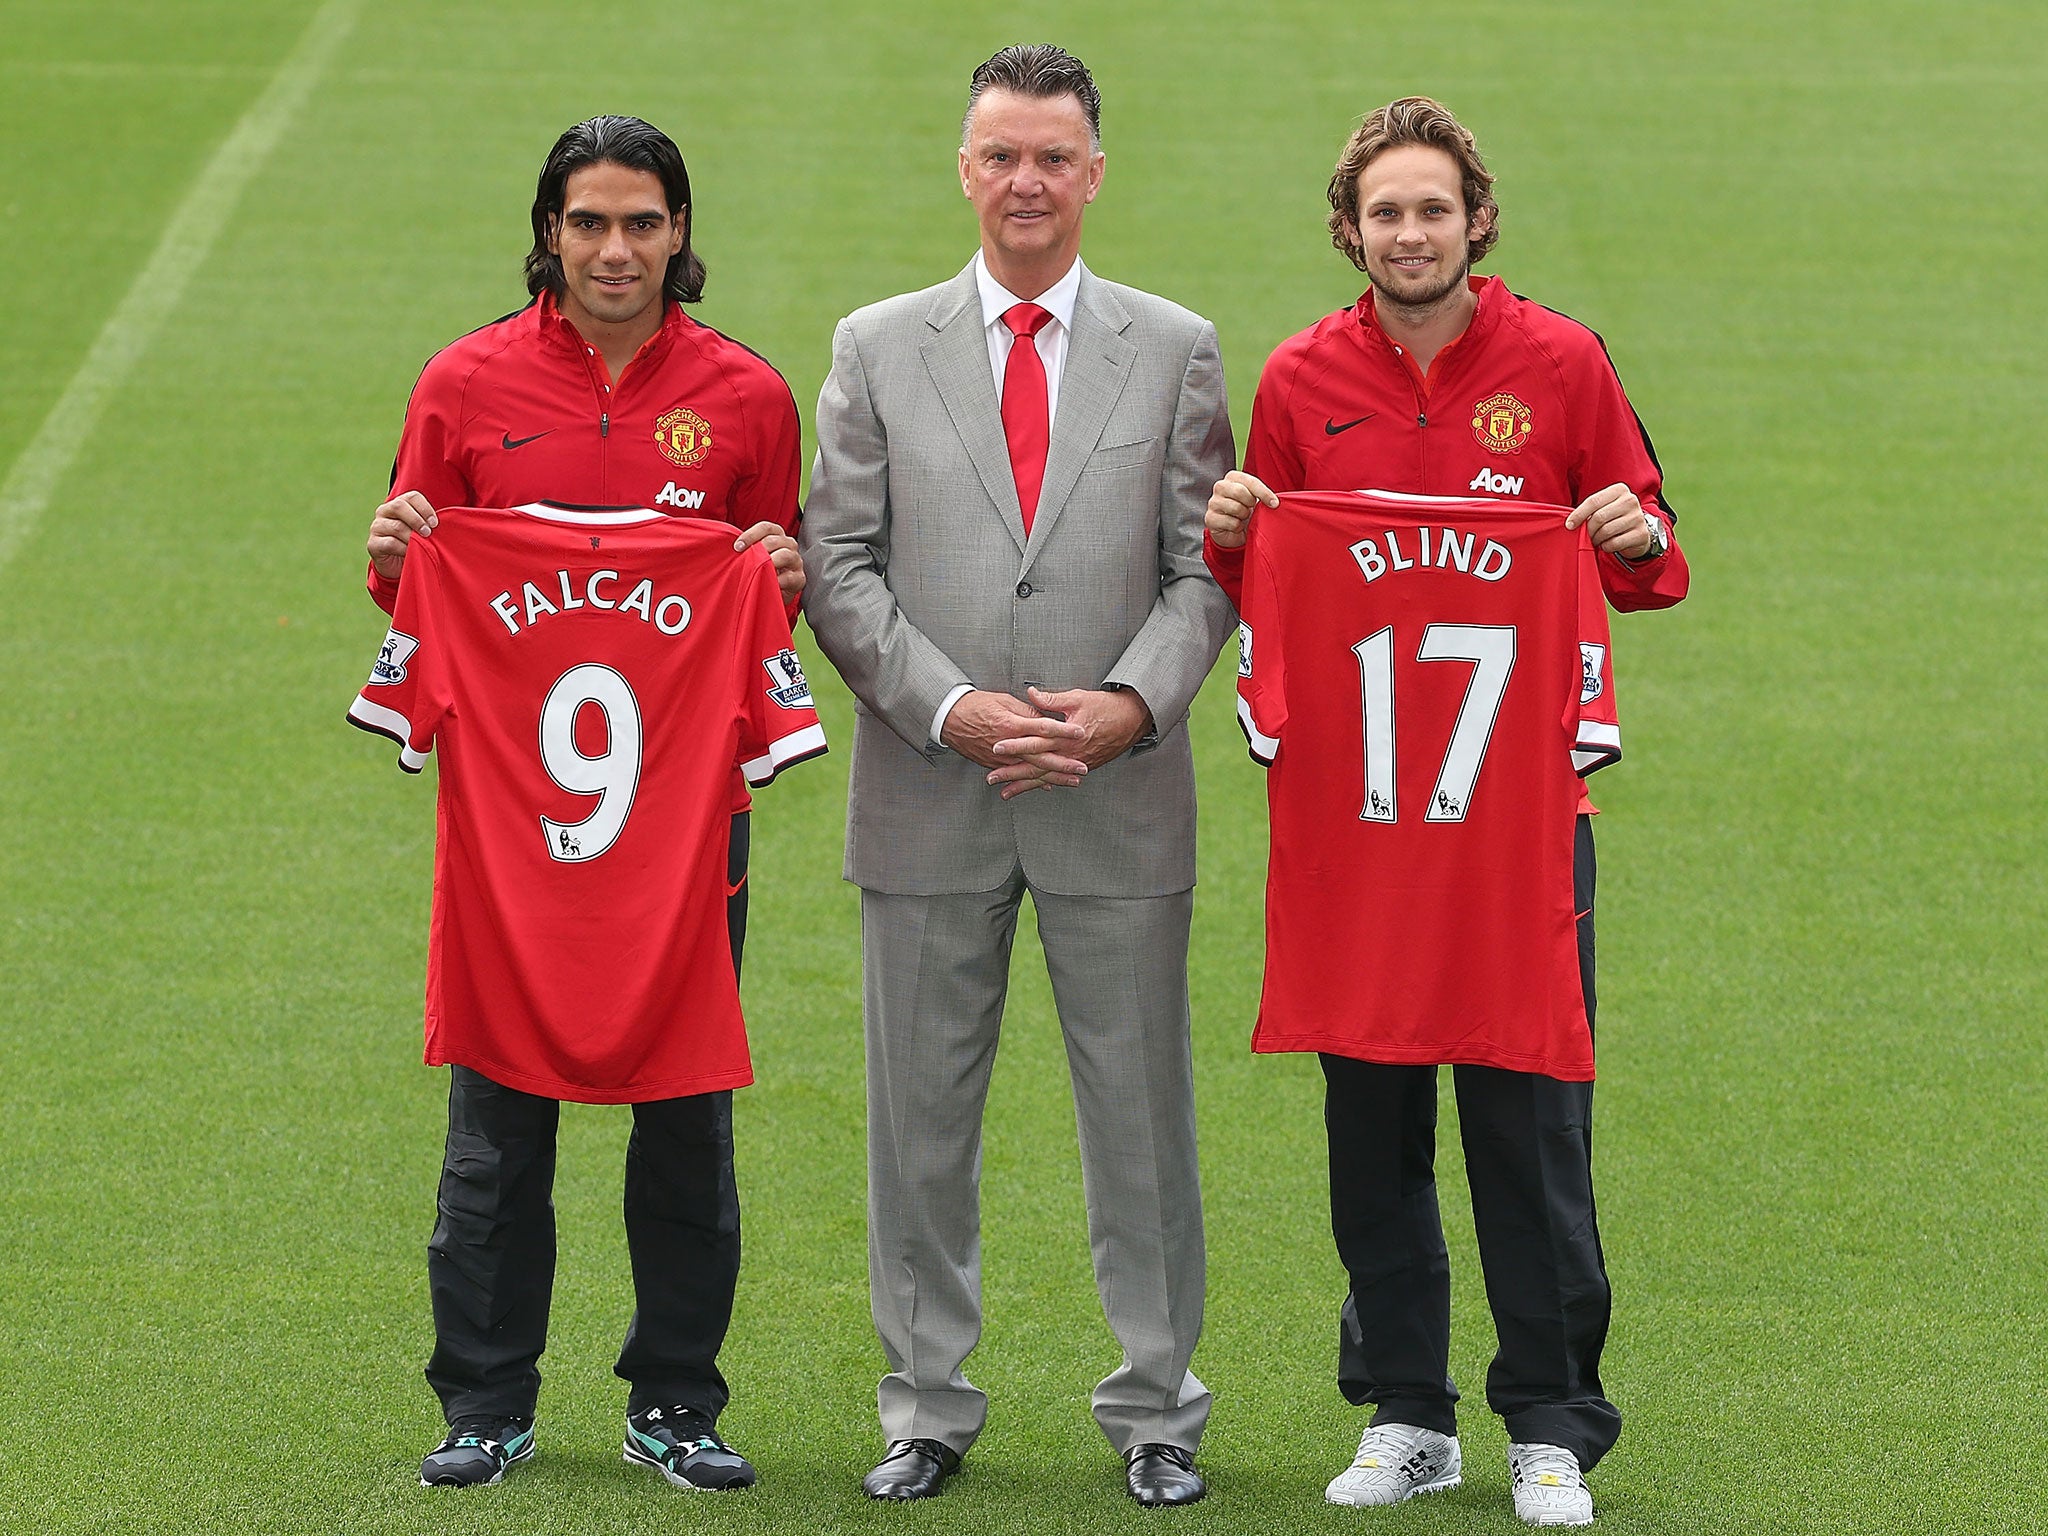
(1538,1461)
(692,1430)
(1383,1442)
(486,1434)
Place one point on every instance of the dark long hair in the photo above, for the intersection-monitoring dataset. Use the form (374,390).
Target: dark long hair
(638,146)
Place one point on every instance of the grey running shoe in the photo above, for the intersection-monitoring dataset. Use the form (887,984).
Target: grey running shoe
(477,1452)
(681,1445)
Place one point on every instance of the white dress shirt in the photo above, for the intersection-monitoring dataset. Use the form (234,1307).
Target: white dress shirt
(1051,340)
(1058,301)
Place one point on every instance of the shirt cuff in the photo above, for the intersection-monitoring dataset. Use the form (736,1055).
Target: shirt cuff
(946,708)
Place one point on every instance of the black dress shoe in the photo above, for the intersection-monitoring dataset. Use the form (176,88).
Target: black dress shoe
(913,1469)
(1159,1475)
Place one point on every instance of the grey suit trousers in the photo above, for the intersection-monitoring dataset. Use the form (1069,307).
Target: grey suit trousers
(936,969)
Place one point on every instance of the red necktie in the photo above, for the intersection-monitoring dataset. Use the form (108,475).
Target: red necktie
(1026,421)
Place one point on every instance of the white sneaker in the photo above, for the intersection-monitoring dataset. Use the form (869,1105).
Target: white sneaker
(1549,1487)
(1396,1462)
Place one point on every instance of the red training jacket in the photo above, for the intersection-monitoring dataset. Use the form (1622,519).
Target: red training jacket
(524,410)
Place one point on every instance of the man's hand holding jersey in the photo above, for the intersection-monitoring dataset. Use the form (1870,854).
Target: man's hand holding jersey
(1615,518)
(1230,508)
(782,551)
(392,529)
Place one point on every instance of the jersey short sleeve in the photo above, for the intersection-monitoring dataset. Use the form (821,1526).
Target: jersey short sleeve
(1595,723)
(780,724)
(1261,678)
(407,696)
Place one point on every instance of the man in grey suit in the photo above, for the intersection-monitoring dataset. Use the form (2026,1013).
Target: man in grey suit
(1004,540)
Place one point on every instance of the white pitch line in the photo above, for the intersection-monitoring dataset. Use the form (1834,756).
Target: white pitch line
(161,284)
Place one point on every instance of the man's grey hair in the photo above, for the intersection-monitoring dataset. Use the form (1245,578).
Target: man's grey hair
(1044,70)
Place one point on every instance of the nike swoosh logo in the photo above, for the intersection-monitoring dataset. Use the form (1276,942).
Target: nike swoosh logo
(1332,426)
(512,442)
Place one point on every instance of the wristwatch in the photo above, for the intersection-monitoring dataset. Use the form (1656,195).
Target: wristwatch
(1660,540)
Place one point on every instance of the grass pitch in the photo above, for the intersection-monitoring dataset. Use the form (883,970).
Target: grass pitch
(1812,240)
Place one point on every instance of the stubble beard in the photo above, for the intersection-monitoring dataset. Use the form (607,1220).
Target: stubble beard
(1418,308)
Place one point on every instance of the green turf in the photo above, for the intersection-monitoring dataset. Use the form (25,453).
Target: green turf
(1814,239)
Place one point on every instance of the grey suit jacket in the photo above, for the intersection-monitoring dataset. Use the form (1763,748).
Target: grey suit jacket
(921,579)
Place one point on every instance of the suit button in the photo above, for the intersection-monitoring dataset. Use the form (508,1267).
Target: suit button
(1023,589)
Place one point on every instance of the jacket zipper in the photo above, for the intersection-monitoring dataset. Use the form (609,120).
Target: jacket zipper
(591,365)
(1420,385)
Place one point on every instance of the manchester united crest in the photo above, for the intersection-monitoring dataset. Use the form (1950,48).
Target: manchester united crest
(683,437)
(1501,423)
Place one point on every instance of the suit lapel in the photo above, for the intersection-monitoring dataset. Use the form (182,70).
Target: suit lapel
(1099,358)
(955,352)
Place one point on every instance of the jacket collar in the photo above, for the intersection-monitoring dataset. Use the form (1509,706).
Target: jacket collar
(556,329)
(1493,298)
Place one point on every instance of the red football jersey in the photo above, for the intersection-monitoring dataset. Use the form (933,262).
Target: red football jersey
(1427,678)
(591,679)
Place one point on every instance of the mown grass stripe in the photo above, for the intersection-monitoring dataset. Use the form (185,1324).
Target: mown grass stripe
(187,239)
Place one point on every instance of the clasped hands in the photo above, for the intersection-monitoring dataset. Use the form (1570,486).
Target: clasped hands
(1049,741)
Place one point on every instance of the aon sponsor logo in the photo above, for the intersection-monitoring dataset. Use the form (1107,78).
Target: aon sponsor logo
(1495,485)
(673,495)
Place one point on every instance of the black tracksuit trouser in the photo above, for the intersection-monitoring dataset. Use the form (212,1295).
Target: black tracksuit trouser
(491,1260)
(1528,1143)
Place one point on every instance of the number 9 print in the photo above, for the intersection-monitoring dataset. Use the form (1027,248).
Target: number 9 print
(613,775)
